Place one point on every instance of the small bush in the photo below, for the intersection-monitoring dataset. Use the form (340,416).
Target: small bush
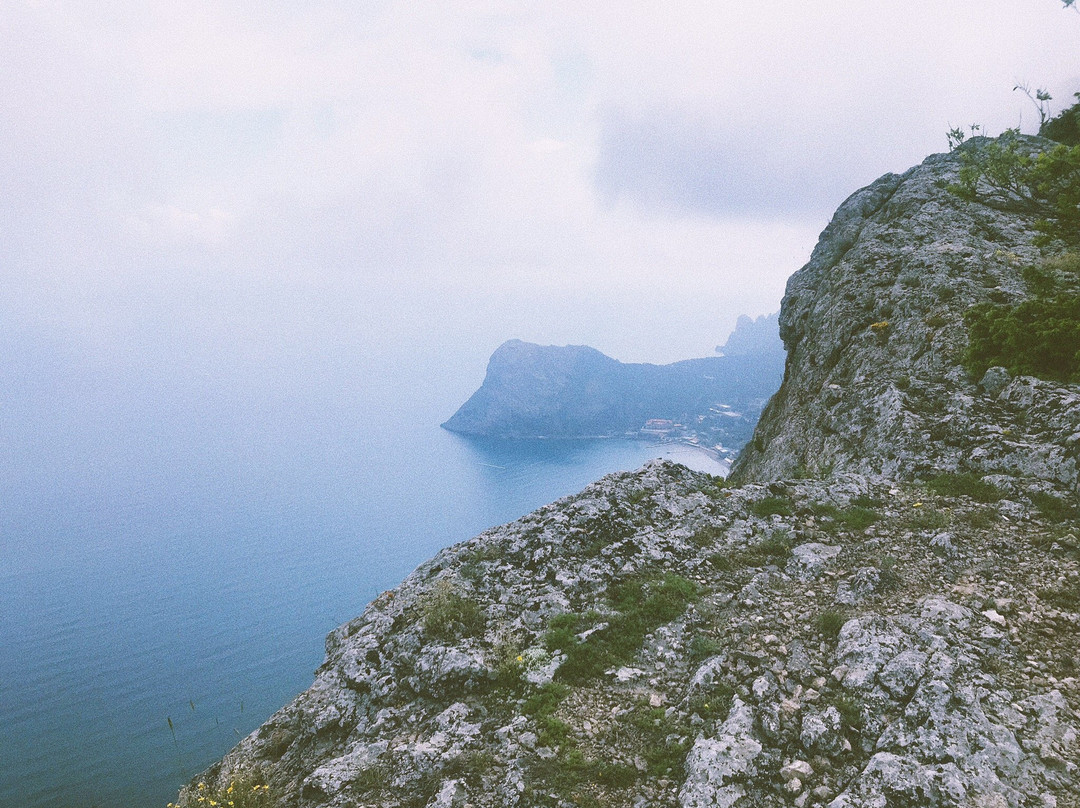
(1037,337)
(706,536)
(448,615)
(1053,508)
(829,624)
(242,791)
(857,517)
(851,711)
(1063,597)
(1065,127)
(771,506)
(967,484)
(924,518)
(702,647)
(888,577)
(541,707)
(773,549)
(721,562)
(713,703)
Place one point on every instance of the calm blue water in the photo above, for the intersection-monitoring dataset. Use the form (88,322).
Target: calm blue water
(162,558)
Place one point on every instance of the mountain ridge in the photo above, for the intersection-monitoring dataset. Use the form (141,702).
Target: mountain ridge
(879,610)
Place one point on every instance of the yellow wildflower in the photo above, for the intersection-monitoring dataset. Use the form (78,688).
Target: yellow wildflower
(917,505)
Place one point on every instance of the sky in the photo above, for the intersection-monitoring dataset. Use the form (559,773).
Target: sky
(198,190)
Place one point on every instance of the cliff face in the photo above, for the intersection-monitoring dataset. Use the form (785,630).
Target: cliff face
(574,391)
(859,640)
(875,337)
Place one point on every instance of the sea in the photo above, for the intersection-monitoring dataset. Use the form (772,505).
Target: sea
(170,562)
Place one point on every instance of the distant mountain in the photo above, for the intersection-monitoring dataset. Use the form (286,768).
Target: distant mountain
(754,337)
(535,391)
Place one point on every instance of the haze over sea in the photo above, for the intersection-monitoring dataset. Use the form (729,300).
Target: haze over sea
(252,254)
(171,557)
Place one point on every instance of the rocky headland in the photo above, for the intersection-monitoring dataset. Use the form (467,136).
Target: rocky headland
(573,391)
(880,610)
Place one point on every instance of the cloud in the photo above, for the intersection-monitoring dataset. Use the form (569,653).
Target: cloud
(255,173)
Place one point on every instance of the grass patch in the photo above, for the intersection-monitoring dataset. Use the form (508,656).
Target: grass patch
(1054,508)
(776,547)
(706,536)
(664,740)
(702,647)
(967,484)
(854,517)
(713,703)
(888,578)
(641,604)
(829,624)
(771,506)
(446,614)
(541,707)
(924,518)
(851,711)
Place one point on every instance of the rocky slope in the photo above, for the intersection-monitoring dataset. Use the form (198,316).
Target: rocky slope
(575,391)
(874,332)
(882,613)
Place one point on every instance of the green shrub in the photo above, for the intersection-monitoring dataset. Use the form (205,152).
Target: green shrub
(888,577)
(770,506)
(1011,173)
(447,614)
(850,709)
(242,791)
(1037,337)
(702,647)
(966,484)
(1065,127)
(776,547)
(1054,508)
(924,518)
(829,624)
(713,703)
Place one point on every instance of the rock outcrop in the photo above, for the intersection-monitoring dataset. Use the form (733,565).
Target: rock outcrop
(574,391)
(754,337)
(875,337)
(881,612)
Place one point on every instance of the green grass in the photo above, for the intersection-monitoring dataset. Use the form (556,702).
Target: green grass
(642,603)
(854,517)
(829,624)
(774,548)
(446,614)
(966,484)
(1052,507)
(541,707)
(850,709)
(702,647)
(771,506)
(713,703)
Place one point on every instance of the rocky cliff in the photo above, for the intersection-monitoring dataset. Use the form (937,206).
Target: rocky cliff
(575,391)
(882,611)
(874,332)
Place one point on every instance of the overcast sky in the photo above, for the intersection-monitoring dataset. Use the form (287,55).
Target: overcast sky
(261,179)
